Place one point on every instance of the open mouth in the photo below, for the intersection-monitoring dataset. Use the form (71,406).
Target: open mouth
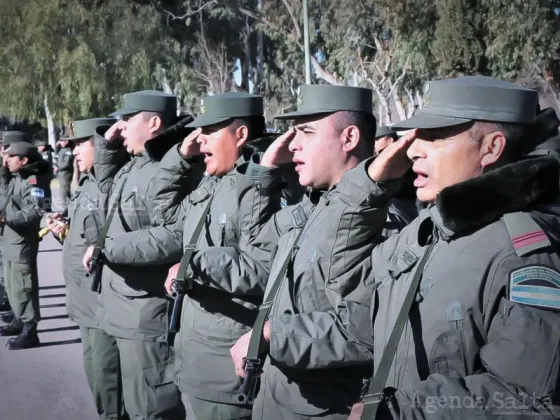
(421,179)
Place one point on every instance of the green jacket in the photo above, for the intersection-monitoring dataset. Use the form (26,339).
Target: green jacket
(138,251)
(482,338)
(220,308)
(316,360)
(24,209)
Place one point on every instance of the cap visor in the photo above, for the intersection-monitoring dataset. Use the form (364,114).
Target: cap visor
(77,139)
(203,121)
(428,121)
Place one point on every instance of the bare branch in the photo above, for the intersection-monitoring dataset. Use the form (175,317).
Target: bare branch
(400,78)
(323,73)
(294,19)
(190,13)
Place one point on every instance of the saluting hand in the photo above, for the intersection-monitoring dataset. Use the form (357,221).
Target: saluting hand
(114,132)
(392,162)
(278,153)
(190,147)
(171,276)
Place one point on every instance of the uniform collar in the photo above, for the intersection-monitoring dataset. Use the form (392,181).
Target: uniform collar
(477,202)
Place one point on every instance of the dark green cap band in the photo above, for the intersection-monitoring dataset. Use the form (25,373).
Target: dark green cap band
(324,99)
(84,129)
(15,137)
(148,101)
(219,108)
(457,101)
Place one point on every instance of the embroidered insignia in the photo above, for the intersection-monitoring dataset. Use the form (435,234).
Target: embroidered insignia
(202,107)
(535,285)
(312,257)
(37,192)
(299,216)
(283,202)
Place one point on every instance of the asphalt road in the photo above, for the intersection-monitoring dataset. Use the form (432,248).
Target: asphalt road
(48,382)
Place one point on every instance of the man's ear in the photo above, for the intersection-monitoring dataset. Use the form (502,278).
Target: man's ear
(350,138)
(241,135)
(155,124)
(24,160)
(492,148)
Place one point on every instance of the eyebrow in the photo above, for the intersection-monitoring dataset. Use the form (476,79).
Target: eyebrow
(304,126)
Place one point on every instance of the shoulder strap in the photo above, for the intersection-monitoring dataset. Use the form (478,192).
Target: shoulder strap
(256,343)
(526,235)
(379,380)
(103,234)
(193,240)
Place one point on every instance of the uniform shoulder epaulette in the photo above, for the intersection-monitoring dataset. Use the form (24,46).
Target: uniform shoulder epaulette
(526,235)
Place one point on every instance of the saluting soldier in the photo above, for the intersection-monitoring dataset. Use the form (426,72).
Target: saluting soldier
(229,129)
(138,254)
(316,362)
(479,335)
(21,217)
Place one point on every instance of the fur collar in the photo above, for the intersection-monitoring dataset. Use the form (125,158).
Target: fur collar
(482,200)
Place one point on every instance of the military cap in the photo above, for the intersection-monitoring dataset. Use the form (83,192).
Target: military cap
(219,108)
(150,101)
(385,131)
(20,148)
(327,99)
(84,129)
(41,142)
(15,137)
(457,101)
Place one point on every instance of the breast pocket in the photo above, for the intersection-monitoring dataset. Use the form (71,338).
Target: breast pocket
(134,210)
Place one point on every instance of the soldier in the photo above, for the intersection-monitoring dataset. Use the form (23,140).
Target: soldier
(86,215)
(64,169)
(228,130)
(21,218)
(5,308)
(45,150)
(315,365)
(138,254)
(477,334)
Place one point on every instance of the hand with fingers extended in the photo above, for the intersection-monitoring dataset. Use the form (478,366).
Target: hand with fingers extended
(393,162)
(114,132)
(278,153)
(190,146)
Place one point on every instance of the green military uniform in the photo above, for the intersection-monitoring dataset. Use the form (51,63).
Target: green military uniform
(320,292)
(138,254)
(213,320)
(64,162)
(481,338)
(46,153)
(22,215)
(4,180)
(86,214)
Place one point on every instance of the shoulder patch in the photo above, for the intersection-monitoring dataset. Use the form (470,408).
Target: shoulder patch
(535,285)
(283,202)
(68,153)
(299,216)
(37,192)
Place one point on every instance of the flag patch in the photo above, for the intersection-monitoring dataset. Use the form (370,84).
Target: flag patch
(37,192)
(535,285)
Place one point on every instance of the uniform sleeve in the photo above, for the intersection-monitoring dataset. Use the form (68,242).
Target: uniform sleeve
(31,211)
(158,244)
(141,248)
(340,336)
(176,177)
(110,157)
(65,160)
(521,358)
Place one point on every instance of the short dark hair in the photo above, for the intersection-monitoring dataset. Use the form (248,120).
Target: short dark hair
(365,122)
(518,140)
(166,120)
(255,125)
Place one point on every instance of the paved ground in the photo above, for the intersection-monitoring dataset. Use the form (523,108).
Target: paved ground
(48,382)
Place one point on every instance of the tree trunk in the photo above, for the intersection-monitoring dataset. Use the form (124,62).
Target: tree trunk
(399,105)
(51,129)
(259,79)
